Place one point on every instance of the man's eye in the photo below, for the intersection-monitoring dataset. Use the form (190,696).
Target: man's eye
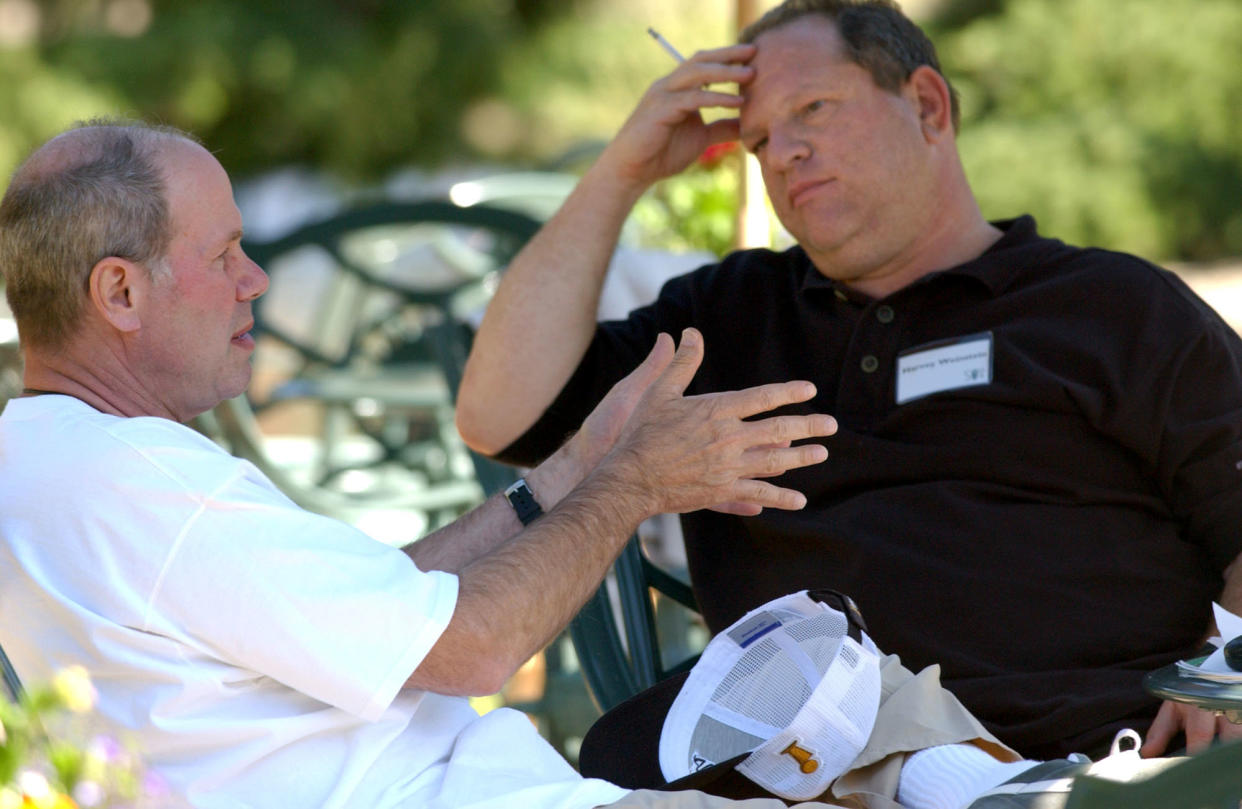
(758,146)
(814,106)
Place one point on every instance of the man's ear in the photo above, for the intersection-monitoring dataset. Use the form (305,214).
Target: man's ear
(930,93)
(117,288)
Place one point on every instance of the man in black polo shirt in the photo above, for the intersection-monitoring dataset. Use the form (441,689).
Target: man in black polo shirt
(1038,473)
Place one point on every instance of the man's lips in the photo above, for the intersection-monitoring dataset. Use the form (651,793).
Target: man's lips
(243,337)
(799,192)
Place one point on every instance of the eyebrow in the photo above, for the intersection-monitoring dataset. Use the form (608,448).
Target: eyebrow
(233,236)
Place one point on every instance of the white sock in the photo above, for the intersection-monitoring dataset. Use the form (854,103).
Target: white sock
(951,776)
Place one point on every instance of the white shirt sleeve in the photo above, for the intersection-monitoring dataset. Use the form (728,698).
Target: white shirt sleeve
(260,583)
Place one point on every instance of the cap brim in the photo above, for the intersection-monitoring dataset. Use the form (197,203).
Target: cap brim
(623,746)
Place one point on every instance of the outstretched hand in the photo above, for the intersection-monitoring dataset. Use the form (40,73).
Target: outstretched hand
(681,453)
(666,131)
(1201,728)
(600,430)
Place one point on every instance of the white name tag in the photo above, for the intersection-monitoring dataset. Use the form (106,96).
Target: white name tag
(946,365)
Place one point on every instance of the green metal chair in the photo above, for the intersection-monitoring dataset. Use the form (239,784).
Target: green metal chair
(615,636)
(365,323)
(12,685)
(1208,780)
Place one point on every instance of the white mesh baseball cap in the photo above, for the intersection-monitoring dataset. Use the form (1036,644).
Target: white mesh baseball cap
(788,695)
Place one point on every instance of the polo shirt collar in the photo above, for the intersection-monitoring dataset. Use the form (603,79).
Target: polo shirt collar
(1019,246)
(1016,250)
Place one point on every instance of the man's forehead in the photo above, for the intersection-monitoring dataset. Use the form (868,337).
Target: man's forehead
(804,51)
(200,196)
(176,157)
(814,32)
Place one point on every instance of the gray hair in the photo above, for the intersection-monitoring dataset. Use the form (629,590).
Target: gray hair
(877,35)
(94,191)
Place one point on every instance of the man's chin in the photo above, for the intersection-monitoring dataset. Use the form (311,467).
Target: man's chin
(236,387)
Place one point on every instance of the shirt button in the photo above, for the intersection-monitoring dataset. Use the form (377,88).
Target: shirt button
(869,364)
(884,314)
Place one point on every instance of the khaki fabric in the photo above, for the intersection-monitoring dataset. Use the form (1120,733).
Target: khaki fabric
(915,712)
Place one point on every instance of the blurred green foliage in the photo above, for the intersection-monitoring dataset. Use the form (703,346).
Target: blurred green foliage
(355,87)
(1116,123)
(695,210)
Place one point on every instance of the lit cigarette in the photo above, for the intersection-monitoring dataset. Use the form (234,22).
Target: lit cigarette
(666,45)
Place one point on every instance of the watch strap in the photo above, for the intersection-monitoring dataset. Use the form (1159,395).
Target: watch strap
(523,501)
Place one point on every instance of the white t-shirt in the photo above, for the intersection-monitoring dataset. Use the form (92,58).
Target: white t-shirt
(255,650)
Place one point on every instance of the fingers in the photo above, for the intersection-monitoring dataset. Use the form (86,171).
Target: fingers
(723,130)
(1227,729)
(715,66)
(762,398)
(1199,726)
(1163,728)
(737,509)
(650,369)
(685,364)
(690,84)
(621,398)
(666,131)
(688,453)
(768,462)
(600,429)
(1200,729)
(778,445)
(750,401)
(752,496)
(693,99)
(765,495)
(784,430)
(728,54)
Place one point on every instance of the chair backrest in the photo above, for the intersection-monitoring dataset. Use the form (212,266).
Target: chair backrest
(617,667)
(423,252)
(12,685)
(1207,780)
(364,335)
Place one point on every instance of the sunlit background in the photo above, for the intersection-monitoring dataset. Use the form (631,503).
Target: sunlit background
(1116,122)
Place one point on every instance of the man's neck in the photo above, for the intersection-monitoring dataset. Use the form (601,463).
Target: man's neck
(95,381)
(946,247)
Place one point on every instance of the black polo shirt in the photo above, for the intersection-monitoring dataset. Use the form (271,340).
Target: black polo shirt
(1045,513)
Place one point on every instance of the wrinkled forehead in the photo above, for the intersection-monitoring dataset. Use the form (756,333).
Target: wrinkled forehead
(805,52)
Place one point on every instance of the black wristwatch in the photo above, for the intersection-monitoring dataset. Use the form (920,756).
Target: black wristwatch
(523,501)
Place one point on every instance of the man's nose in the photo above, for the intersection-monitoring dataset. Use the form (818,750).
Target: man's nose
(785,148)
(253,281)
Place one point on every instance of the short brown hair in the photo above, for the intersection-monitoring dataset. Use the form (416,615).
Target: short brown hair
(95,191)
(877,35)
